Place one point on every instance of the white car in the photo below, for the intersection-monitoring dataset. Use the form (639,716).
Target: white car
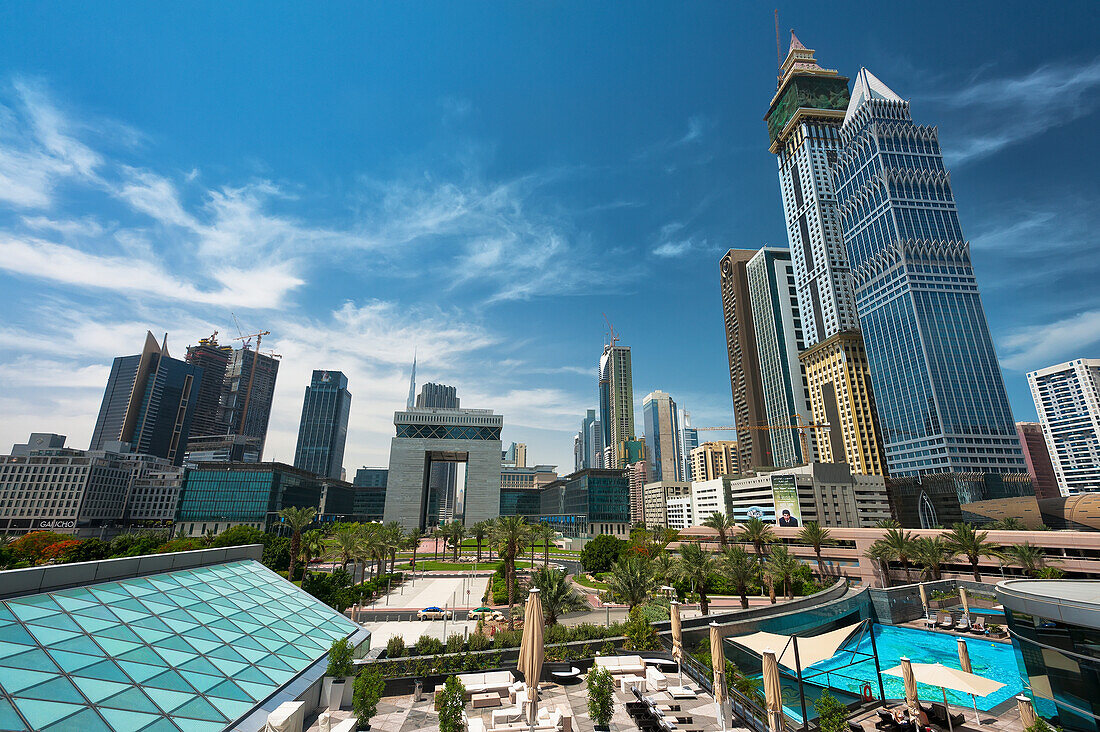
(433,613)
(487,613)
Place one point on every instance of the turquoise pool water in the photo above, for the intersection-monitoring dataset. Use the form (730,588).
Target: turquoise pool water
(849,671)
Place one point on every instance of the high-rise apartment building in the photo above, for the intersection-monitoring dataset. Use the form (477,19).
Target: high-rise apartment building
(1067,399)
(1039,466)
(637,476)
(213,359)
(661,420)
(803,126)
(148,404)
(588,443)
(713,460)
(655,500)
(616,403)
(689,440)
(779,340)
(323,430)
(247,394)
(437,395)
(941,401)
(753,449)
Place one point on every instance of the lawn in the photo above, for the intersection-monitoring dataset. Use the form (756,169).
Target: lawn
(428,565)
(582,579)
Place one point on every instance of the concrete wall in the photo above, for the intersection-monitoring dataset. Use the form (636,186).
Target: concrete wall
(406,481)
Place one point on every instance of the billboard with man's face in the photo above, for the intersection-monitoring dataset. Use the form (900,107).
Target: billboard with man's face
(785,496)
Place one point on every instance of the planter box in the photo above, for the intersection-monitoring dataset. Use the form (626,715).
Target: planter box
(326,689)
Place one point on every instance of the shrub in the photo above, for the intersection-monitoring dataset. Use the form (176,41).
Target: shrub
(340,658)
(607,649)
(395,647)
(640,635)
(601,696)
(452,700)
(455,642)
(480,642)
(366,692)
(1039,725)
(428,646)
(832,716)
(558,634)
(238,536)
(507,639)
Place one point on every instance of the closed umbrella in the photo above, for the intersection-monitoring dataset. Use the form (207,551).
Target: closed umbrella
(910,688)
(1027,712)
(718,663)
(530,648)
(677,639)
(773,691)
(966,605)
(964,662)
(923,598)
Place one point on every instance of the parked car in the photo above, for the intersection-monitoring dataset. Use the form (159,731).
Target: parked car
(486,613)
(433,613)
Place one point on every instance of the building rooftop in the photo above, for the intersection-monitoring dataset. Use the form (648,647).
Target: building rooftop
(1086,592)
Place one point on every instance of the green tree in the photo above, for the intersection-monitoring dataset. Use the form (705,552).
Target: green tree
(412,541)
(631,580)
(455,532)
(901,547)
(832,715)
(664,568)
(557,594)
(238,536)
(599,554)
(816,536)
(601,696)
(887,524)
(1010,523)
(881,555)
(545,533)
(510,536)
(699,567)
(393,541)
(314,544)
(759,534)
(340,659)
(932,553)
(640,635)
(296,519)
(1028,557)
(346,539)
(366,692)
(781,568)
(723,525)
(740,570)
(970,543)
(480,531)
(451,703)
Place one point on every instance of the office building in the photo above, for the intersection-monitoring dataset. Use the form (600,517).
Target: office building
(247,393)
(222,449)
(713,460)
(515,456)
(323,429)
(689,440)
(803,121)
(588,443)
(213,359)
(828,493)
(1067,399)
(679,513)
(753,448)
(709,497)
(940,499)
(369,485)
(437,396)
(616,403)
(218,496)
(941,401)
(656,497)
(46,486)
(661,420)
(637,475)
(466,442)
(1039,466)
(520,489)
(779,340)
(588,503)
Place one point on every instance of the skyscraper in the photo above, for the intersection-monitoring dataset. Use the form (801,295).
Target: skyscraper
(247,393)
(778,327)
(323,430)
(439,396)
(213,359)
(149,403)
(689,440)
(616,403)
(661,420)
(1037,456)
(589,443)
(1067,399)
(803,125)
(753,450)
(941,401)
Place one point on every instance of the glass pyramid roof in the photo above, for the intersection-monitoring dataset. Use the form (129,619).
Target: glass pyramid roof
(187,650)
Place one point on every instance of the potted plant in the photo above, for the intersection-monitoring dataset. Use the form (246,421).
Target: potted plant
(368,689)
(451,702)
(601,697)
(339,673)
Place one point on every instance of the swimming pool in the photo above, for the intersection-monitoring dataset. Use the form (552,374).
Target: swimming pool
(849,671)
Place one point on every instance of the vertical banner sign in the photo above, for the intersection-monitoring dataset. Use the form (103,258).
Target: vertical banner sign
(785,496)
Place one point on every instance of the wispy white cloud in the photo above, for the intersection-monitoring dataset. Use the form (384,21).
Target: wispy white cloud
(1037,346)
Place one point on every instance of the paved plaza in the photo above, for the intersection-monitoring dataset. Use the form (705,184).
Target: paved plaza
(462,591)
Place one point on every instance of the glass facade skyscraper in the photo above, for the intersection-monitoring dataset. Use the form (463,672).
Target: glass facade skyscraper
(661,421)
(616,404)
(324,426)
(939,393)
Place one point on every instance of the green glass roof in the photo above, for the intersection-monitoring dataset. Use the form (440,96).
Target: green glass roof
(189,650)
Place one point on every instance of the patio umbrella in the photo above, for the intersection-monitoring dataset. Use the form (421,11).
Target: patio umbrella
(1027,712)
(773,691)
(923,598)
(936,674)
(964,662)
(965,603)
(718,663)
(910,688)
(677,639)
(530,648)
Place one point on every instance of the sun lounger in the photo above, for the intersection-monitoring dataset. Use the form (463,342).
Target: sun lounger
(964,623)
(938,714)
(978,626)
(946,622)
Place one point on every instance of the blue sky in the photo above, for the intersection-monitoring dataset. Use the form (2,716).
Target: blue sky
(481,182)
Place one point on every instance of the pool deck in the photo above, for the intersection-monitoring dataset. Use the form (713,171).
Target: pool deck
(919,625)
(1005,717)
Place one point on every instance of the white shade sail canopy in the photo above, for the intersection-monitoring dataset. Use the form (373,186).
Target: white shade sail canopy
(945,677)
(810,650)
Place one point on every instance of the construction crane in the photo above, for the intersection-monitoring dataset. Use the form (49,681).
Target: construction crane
(798,425)
(247,340)
(614,338)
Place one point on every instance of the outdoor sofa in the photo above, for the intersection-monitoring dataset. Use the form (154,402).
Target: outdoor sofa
(487,683)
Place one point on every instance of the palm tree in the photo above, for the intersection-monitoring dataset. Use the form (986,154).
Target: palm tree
(699,567)
(664,568)
(393,540)
(1028,557)
(757,533)
(816,536)
(932,554)
(546,533)
(480,531)
(1010,523)
(663,536)
(412,541)
(887,524)
(741,570)
(346,539)
(781,568)
(901,546)
(510,536)
(314,544)
(557,594)
(881,555)
(631,580)
(965,540)
(722,524)
(296,519)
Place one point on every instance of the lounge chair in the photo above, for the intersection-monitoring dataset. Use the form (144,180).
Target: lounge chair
(886,720)
(853,727)
(938,714)
(946,622)
(964,623)
(978,626)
